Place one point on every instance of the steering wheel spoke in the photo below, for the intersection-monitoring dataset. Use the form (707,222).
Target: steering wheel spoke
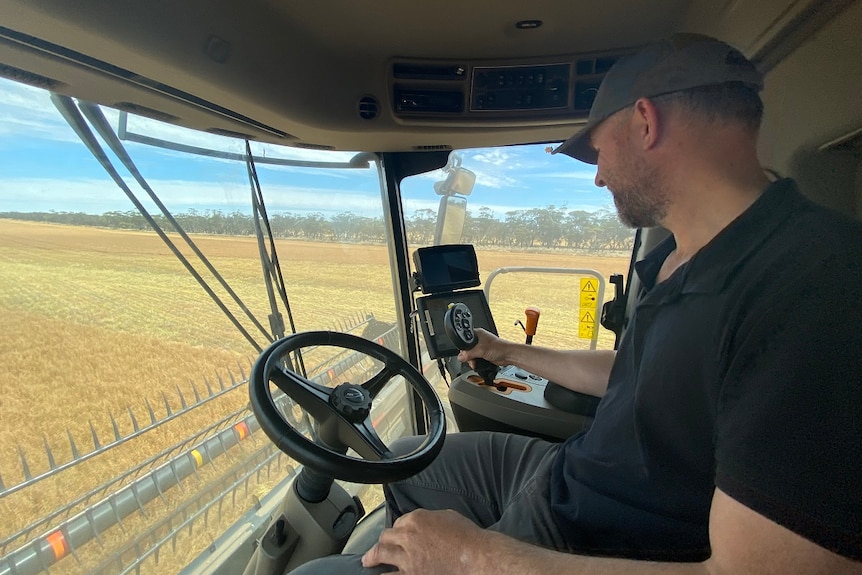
(379,380)
(365,441)
(312,397)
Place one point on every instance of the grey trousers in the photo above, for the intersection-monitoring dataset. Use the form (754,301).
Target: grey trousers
(497,480)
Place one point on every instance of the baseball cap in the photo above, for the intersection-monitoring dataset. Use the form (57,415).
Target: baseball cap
(680,62)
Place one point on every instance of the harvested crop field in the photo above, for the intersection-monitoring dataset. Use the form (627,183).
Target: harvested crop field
(100,324)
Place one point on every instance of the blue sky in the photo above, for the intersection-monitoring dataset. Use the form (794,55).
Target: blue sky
(45,167)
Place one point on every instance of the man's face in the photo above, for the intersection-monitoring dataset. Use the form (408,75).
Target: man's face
(640,198)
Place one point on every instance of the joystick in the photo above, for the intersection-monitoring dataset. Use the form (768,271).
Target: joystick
(458,322)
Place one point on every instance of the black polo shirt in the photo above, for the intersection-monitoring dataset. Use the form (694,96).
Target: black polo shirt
(741,371)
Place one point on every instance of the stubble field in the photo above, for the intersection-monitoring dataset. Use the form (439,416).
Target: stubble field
(98,322)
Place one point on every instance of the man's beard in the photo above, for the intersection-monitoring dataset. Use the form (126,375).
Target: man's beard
(639,196)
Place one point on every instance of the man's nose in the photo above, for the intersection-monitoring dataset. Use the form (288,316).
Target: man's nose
(600,182)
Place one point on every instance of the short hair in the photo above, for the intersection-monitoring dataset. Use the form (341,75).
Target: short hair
(732,101)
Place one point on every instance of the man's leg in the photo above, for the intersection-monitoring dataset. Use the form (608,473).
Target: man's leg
(496,480)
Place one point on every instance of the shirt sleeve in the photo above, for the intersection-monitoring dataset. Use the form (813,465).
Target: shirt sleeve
(788,440)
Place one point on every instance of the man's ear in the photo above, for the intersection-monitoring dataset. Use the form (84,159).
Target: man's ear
(646,123)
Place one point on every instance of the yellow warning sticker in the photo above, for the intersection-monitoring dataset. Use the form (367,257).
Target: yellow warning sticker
(589,293)
(589,304)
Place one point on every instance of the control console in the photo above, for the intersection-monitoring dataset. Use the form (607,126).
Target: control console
(507,399)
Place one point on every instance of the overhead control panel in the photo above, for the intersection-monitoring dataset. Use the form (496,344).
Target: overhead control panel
(480,92)
(520,87)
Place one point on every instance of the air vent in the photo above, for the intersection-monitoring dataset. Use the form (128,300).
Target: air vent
(29,78)
(229,133)
(308,146)
(368,108)
(433,148)
(139,110)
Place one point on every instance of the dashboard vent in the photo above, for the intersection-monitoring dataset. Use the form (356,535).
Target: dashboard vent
(230,133)
(433,148)
(308,146)
(139,110)
(29,78)
(368,108)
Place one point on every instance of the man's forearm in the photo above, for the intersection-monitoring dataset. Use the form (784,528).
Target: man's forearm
(586,371)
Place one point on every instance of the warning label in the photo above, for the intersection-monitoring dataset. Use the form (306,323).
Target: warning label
(589,294)
(589,304)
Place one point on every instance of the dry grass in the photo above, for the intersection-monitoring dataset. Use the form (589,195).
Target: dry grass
(97,320)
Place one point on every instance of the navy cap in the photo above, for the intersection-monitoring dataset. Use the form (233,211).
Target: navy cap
(680,62)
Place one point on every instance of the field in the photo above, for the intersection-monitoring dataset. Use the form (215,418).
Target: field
(98,322)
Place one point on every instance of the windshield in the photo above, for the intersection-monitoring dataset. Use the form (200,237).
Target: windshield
(122,369)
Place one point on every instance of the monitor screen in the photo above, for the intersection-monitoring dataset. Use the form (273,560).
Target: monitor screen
(432,308)
(446,268)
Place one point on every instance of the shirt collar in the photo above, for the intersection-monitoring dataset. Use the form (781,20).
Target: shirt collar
(709,269)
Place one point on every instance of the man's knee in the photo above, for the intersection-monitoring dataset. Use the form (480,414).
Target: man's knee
(404,445)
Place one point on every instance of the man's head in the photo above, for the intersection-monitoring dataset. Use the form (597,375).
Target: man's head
(682,63)
(682,81)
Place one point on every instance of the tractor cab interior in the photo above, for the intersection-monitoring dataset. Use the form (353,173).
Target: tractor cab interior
(414,121)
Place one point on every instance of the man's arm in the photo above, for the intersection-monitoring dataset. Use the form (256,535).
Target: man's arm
(586,371)
(743,543)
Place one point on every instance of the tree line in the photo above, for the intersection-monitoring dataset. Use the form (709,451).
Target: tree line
(548,227)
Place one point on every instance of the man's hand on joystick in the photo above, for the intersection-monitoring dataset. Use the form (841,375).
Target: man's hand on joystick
(458,323)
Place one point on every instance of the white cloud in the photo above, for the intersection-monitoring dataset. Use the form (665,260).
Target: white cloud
(28,112)
(492,156)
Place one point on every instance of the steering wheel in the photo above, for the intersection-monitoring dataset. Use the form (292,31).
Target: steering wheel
(342,413)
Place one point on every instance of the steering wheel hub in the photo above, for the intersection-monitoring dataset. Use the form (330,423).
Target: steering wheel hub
(351,401)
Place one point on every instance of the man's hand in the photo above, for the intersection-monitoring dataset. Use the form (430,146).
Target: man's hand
(489,346)
(743,542)
(430,542)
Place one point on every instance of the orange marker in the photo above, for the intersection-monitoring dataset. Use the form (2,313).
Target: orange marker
(58,544)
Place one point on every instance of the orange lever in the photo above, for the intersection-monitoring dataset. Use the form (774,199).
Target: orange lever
(532,322)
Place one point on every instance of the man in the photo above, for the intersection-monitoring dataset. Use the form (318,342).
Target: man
(728,439)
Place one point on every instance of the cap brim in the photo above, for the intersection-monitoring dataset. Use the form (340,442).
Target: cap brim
(578,147)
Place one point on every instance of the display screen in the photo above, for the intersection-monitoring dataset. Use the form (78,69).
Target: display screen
(432,309)
(446,268)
